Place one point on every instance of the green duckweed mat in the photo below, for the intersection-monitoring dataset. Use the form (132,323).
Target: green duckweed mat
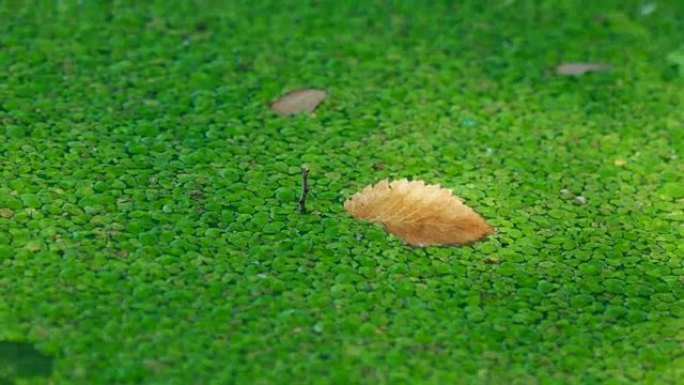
(148,224)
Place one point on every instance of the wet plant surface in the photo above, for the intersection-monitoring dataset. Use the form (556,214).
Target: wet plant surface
(21,360)
(149,223)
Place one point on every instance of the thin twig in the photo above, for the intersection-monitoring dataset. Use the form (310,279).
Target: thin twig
(305,190)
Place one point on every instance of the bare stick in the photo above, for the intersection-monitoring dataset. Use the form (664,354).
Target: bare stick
(305,190)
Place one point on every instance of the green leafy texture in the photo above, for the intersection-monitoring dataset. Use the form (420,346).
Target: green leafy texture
(22,360)
(154,236)
(676,57)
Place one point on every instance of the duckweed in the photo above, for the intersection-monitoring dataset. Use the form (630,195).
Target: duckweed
(149,231)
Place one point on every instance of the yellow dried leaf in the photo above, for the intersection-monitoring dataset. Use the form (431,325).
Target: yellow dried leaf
(301,100)
(420,214)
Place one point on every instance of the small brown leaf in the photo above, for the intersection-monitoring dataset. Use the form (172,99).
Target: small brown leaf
(578,69)
(301,100)
(420,214)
